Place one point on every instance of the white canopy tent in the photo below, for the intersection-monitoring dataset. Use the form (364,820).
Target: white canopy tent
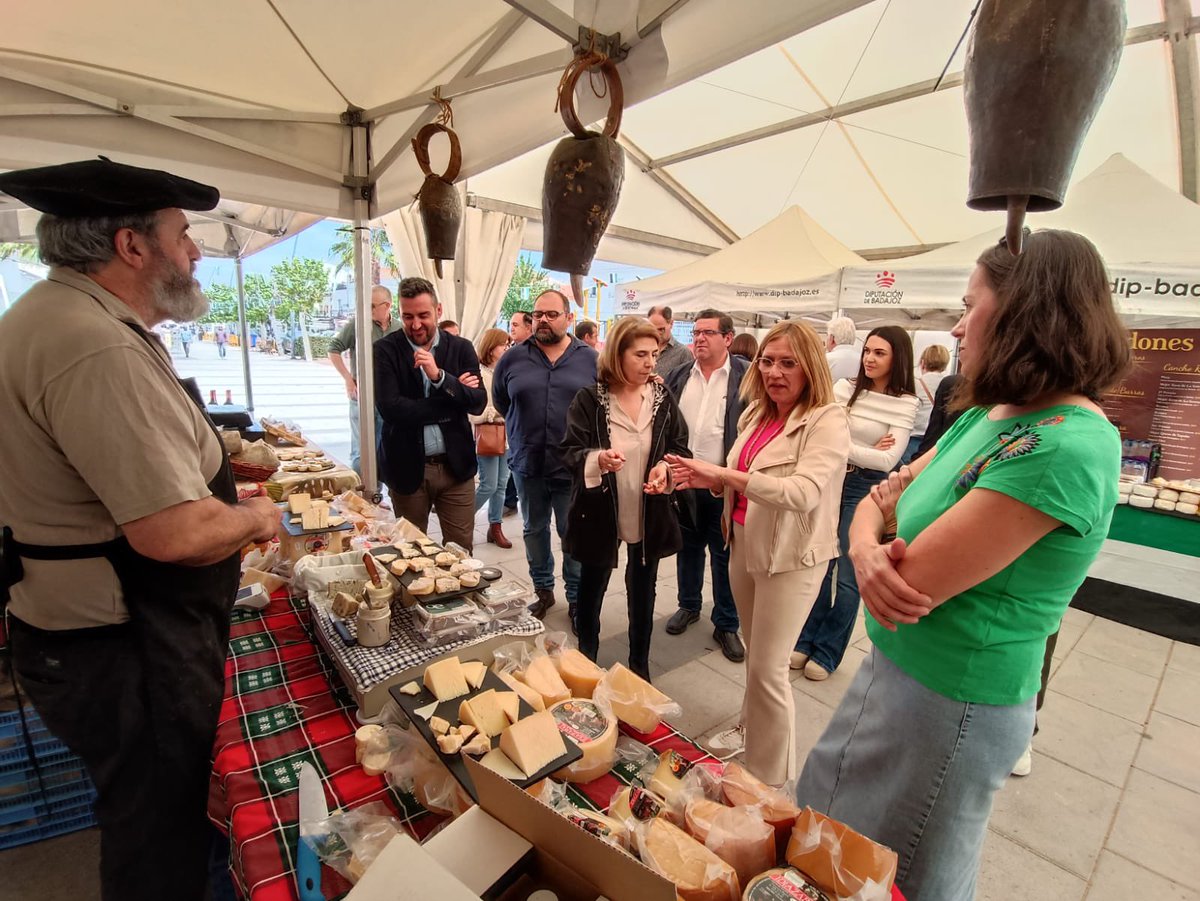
(1148,234)
(790,266)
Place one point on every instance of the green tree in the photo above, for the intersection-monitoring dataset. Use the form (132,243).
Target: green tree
(26,253)
(260,299)
(342,252)
(299,287)
(527,282)
(223,304)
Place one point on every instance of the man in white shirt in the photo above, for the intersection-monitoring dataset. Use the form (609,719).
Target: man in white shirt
(841,349)
(708,395)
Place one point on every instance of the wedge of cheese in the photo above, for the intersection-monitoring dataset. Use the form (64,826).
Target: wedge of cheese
(698,873)
(603,827)
(445,679)
(543,678)
(634,700)
(633,804)
(485,712)
(510,703)
(668,775)
(497,761)
(314,518)
(578,673)
(474,671)
(528,695)
(298,503)
(741,788)
(737,835)
(533,742)
(586,724)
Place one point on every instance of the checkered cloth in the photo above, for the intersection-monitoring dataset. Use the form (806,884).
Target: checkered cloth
(371,666)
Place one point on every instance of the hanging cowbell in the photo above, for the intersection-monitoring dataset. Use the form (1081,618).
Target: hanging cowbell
(583,180)
(1036,73)
(438,201)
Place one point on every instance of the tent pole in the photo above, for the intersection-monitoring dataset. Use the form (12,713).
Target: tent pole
(245,335)
(363,349)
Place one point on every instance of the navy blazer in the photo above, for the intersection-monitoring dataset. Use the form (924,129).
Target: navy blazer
(677,378)
(401,401)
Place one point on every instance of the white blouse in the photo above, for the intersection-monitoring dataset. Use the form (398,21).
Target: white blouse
(873,416)
(631,438)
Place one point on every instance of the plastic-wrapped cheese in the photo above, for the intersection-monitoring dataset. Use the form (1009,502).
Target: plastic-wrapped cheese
(578,672)
(1167,494)
(603,827)
(1144,503)
(742,788)
(586,724)
(737,835)
(1160,504)
(634,700)
(527,694)
(668,775)
(1145,490)
(698,874)
(543,678)
(1190,509)
(1123,498)
(1188,497)
(1124,487)
(783,882)
(633,804)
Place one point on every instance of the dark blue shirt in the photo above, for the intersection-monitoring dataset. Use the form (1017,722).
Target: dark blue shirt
(534,398)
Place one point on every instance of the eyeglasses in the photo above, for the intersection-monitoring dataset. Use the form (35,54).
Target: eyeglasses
(382,303)
(549,315)
(707,333)
(785,364)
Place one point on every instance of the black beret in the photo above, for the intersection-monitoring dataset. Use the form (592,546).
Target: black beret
(103,188)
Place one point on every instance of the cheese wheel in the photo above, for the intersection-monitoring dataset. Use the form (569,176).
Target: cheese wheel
(366,739)
(668,775)
(603,827)
(533,742)
(1164,505)
(737,835)
(634,700)
(543,678)
(528,695)
(586,724)
(698,874)
(375,763)
(1168,495)
(1190,509)
(1143,503)
(1124,487)
(578,672)
(1187,497)
(1123,498)
(633,804)
(741,788)
(783,882)
(1145,490)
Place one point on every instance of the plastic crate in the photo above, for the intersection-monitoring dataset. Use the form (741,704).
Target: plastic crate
(28,814)
(11,738)
(57,824)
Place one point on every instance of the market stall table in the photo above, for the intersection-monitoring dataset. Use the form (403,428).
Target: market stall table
(1179,534)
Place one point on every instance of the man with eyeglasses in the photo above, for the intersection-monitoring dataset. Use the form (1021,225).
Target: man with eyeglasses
(671,353)
(382,323)
(533,386)
(708,392)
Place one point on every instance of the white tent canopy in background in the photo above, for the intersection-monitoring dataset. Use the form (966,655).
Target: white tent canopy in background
(473,284)
(1148,234)
(790,266)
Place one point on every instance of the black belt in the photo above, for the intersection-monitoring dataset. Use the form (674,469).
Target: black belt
(439,459)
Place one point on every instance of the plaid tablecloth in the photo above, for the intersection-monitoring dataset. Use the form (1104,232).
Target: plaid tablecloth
(284,705)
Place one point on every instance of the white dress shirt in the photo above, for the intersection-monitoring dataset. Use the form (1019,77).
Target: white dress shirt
(703,406)
(843,361)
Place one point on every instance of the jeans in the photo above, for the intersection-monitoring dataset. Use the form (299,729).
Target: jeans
(831,622)
(539,498)
(641,577)
(355,452)
(909,452)
(689,565)
(221,349)
(493,476)
(915,771)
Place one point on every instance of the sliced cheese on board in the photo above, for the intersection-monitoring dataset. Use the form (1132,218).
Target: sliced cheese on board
(737,835)
(782,882)
(474,672)
(578,673)
(497,761)
(586,724)
(634,700)
(603,827)
(427,711)
(634,804)
(698,874)
(741,788)
(298,503)
(533,742)
(484,712)
(510,703)
(528,695)
(445,679)
(668,775)
(543,678)
(410,688)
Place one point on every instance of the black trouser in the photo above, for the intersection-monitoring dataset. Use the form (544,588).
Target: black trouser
(90,686)
(640,581)
(510,493)
(1047,660)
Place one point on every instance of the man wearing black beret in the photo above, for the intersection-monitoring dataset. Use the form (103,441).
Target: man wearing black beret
(121,523)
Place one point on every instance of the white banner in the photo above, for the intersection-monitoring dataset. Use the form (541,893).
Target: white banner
(818,295)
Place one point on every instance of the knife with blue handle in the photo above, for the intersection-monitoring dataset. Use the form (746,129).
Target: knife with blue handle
(313,812)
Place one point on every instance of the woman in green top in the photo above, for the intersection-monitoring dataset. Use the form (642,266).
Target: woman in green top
(995,528)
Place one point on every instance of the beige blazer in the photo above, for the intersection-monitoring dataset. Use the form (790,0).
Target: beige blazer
(795,490)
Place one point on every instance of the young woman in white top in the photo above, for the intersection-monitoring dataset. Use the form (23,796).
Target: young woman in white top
(934,360)
(493,471)
(882,404)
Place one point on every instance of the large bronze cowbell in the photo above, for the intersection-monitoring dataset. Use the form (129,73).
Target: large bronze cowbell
(438,201)
(1036,74)
(582,183)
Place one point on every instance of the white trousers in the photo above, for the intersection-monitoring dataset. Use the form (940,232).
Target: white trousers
(772,610)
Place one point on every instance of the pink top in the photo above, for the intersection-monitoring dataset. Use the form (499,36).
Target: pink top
(763,435)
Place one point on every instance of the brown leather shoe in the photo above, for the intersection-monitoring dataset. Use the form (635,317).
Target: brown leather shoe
(496,536)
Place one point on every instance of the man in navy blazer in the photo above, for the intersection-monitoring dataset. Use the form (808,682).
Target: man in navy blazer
(708,392)
(426,382)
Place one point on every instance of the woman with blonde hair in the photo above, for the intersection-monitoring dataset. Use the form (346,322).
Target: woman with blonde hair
(932,365)
(618,433)
(782,486)
(493,469)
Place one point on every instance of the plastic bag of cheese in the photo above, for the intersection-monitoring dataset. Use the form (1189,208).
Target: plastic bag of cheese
(741,788)
(530,664)
(352,839)
(737,835)
(840,861)
(578,672)
(413,767)
(698,873)
(634,700)
(598,824)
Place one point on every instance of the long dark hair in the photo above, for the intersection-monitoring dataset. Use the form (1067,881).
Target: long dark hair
(901,380)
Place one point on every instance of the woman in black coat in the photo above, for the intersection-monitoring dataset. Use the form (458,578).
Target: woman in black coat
(618,433)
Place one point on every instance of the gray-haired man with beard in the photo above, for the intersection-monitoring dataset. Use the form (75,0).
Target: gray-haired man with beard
(119,557)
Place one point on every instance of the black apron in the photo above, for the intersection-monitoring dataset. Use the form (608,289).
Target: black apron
(152,772)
